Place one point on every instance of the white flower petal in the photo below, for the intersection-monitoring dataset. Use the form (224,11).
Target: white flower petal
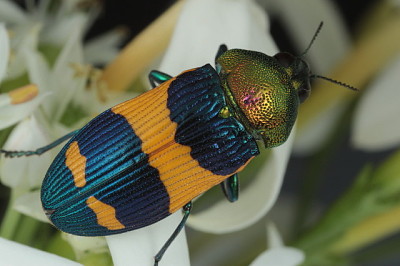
(277,254)
(254,201)
(196,39)
(5,100)
(83,245)
(27,172)
(58,31)
(301,19)
(274,238)
(284,256)
(10,12)
(138,247)
(71,51)
(376,123)
(4,50)
(15,254)
(24,37)
(68,7)
(103,48)
(38,69)
(65,82)
(313,135)
(74,7)
(30,204)
(11,114)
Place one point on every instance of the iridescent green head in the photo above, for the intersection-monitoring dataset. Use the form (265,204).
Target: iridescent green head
(264,92)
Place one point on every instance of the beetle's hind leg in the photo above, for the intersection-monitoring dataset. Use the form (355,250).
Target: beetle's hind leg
(186,212)
(41,150)
(157,77)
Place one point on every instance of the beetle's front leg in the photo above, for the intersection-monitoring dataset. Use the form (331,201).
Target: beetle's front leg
(157,77)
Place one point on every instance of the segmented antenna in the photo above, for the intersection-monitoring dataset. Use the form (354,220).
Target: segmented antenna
(322,77)
(335,82)
(313,39)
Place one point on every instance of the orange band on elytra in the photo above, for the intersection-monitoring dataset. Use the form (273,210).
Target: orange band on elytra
(181,175)
(76,162)
(105,214)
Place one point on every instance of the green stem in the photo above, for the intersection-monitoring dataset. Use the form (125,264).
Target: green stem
(356,205)
(27,230)
(11,219)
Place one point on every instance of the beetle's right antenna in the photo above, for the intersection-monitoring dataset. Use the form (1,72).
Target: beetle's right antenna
(335,82)
(313,39)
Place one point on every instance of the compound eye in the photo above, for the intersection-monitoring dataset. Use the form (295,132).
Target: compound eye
(285,59)
(304,91)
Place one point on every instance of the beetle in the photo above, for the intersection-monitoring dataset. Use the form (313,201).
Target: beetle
(144,159)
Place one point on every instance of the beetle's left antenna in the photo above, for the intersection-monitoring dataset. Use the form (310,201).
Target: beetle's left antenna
(11,154)
(319,76)
(313,39)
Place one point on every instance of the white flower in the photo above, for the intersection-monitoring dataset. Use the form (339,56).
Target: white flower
(139,247)
(83,245)
(4,50)
(20,102)
(104,48)
(54,87)
(57,86)
(56,20)
(376,123)
(277,254)
(14,106)
(61,80)
(15,254)
(27,172)
(29,204)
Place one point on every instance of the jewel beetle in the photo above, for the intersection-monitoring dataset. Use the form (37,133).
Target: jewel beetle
(146,158)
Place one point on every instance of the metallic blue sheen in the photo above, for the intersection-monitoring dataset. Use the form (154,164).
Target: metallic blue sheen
(221,145)
(117,173)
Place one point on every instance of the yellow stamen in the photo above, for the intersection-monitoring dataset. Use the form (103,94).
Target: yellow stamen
(142,50)
(23,94)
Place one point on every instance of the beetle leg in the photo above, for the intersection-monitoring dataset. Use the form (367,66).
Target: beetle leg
(222,49)
(186,211)
(230,187)
(157,77)
(41,150)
